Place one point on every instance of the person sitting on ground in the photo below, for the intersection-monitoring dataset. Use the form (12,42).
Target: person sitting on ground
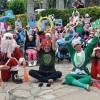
(47,72)
(95,67)
(10,58)
(80,58)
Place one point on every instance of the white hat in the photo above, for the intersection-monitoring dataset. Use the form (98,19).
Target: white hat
(95,50)
(8,35)
(86,15)
(75,42)
(48,34)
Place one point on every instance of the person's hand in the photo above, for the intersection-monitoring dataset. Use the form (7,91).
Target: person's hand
(97,32)
(37,37)
(4,67)
(53,30)
(24,63)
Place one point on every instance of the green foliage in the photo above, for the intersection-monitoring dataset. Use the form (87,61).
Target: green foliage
(22,17)
(3,5)
(18,6)
(94,12)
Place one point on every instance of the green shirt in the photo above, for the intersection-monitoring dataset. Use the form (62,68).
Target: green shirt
(88,51)
(79,29)
(47,60)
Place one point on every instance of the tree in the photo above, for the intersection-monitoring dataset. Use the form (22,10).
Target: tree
(18,6)
(44,4)
(60,4)
(30,8)
(3,4)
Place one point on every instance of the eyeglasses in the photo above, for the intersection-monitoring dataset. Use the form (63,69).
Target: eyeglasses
(8,38)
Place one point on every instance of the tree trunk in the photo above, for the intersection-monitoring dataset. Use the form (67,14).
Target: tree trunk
(44,4)
(60,4)
(30,8)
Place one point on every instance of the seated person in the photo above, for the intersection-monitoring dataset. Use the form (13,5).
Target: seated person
(10,58)
(30,49)
(80,58)
(95,67)
(46,73)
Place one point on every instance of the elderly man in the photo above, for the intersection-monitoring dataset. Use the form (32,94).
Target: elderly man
(10,57)
(80,58)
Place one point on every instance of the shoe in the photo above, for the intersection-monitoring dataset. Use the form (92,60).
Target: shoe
(30,64)
(34,63)
(63,83)
(15,78)
(40,84)
(50,81)
(48,85)
(18,81)
(87,88)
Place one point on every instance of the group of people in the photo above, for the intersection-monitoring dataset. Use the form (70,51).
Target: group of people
(17,47)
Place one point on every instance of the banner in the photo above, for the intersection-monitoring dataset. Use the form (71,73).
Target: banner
(58,22)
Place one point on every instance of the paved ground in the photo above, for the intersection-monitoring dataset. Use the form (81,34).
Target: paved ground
(30,90)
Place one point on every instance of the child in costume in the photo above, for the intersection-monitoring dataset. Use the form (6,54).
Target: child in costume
(80,58)
(30,48)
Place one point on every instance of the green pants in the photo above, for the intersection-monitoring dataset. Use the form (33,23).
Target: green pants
(77,79)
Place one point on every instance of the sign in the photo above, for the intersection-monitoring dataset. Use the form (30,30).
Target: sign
(42,24)
(58,22)
(52,17)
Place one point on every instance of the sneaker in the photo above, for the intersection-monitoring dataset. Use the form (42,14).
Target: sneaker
(34,63)
(87,88)
(18,81)
(48,85)
(50,81)
(30,64)
(40,84)
(15,78)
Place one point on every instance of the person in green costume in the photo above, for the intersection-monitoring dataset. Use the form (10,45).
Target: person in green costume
(80,75)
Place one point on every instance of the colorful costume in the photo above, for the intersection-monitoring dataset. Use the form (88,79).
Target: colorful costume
(95,67)
(13,63)
(11,56)
(47,65)
(80,74)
